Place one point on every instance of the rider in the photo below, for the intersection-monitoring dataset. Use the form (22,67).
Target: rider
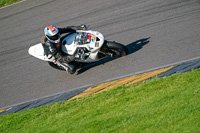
(52,45)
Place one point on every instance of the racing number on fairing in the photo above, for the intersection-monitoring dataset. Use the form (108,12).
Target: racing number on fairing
(96,44)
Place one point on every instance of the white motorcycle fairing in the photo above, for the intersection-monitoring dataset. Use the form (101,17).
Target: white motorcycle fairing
(77,43)
(38,52)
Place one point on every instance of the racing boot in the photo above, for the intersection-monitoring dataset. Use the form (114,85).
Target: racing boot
(72,68)
(68,67)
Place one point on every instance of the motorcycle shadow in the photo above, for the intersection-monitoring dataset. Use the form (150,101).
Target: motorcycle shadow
(132,48)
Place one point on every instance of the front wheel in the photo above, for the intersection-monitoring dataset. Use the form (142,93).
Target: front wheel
(116,49)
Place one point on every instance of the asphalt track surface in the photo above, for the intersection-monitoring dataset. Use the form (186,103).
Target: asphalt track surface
(173,29)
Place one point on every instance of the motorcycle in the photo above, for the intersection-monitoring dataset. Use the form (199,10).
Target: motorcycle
(86,46)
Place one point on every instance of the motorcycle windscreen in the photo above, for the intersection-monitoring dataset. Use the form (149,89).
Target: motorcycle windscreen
(38,52)
(83,38)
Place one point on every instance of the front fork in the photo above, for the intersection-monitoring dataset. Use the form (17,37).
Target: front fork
(104,50)
(106,53)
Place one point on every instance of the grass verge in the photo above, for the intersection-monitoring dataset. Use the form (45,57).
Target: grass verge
(7,2)
(170,104)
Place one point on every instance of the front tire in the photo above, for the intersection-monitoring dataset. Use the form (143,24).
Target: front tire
(116,49)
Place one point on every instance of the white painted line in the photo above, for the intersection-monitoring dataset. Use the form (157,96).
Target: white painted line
(12,4)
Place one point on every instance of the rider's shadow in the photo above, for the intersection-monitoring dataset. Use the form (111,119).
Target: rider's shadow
(132,47)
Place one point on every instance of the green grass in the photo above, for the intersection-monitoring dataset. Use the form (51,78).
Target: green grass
(162,105)
(7,2)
